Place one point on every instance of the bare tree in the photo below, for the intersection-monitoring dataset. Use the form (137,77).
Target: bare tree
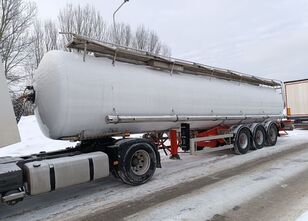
(82,20)
(141,38)
(121,34)
(51,36)
(15,21)
(88,21)
(100,28)
(165,50)
(66,21)
(154,44)
(38,43)
(147,40)
(44,37)
(128,36)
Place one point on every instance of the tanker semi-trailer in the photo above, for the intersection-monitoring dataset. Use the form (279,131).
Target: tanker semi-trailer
(108,90)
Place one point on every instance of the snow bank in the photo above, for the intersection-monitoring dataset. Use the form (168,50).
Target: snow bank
(32,140)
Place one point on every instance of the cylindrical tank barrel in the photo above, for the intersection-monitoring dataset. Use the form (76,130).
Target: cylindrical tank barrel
(94,98)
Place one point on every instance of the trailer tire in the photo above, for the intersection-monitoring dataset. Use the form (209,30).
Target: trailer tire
(138,164)
(272,134)
(259,137)
(242,142)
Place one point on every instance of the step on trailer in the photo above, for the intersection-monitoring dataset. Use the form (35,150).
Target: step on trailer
(104,90)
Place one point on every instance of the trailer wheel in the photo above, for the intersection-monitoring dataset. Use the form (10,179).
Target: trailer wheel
(242,142)
(259,137)
(272,134)
(138,164)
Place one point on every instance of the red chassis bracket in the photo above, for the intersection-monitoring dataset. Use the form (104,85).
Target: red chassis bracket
(212,132)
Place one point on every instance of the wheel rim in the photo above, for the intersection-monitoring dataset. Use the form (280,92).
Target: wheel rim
(259,138)
(243,140)
(140,162)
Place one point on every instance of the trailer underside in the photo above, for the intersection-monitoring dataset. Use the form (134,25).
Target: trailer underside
(132,160)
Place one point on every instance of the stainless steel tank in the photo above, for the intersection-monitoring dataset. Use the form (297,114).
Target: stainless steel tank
(96,98)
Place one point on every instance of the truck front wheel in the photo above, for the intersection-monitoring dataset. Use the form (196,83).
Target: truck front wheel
(138,164)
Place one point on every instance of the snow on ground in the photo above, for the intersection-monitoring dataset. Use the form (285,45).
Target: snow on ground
(91,197)
(217,198)
(32,140)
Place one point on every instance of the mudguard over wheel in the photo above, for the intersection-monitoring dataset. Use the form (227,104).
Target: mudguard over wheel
(242,142)
(137,164)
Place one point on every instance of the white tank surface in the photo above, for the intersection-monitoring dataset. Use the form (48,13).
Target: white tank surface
(78,99)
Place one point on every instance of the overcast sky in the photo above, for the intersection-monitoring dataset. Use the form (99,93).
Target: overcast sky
(267,38)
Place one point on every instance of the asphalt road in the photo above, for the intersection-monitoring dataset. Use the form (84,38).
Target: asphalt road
(283,203)
(273,204)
